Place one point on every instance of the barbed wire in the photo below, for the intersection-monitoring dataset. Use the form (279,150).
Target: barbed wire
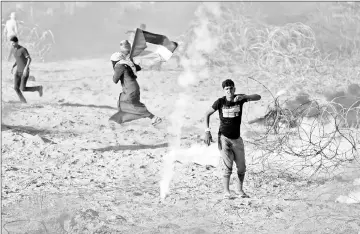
(321,136)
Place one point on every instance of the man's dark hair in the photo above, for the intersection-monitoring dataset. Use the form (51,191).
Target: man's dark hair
(228,83)
(14,39)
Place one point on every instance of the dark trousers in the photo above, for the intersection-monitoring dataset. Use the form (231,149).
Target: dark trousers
(20,85)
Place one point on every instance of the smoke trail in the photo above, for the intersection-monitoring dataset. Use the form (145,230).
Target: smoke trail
(204,42)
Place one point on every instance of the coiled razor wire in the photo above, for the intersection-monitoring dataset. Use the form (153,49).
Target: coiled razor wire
(322,137)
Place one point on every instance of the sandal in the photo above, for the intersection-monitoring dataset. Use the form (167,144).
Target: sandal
(228,196)
(156,120)
(244,195)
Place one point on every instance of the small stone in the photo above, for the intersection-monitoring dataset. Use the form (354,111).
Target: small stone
(137,194)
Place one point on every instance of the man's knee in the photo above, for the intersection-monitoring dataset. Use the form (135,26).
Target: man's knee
(22,88)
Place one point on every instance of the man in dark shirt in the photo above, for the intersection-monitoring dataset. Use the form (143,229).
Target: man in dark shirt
(230,143)
(22,63)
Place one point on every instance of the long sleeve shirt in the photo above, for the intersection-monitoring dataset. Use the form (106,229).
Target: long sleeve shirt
(130,86)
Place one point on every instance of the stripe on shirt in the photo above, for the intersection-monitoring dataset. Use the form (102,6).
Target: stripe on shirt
(231,112)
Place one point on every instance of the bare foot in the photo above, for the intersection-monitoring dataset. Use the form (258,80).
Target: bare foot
(242,194)
(227,195)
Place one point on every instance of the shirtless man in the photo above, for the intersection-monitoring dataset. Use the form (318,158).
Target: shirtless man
(11,26)
(11,29)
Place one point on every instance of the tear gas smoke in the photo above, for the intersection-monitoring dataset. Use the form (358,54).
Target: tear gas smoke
(194,65)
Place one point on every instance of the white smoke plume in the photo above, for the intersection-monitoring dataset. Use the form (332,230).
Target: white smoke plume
(194,64)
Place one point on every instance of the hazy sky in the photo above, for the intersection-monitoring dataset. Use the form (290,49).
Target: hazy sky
(97,27)
(170,18)
(93,28)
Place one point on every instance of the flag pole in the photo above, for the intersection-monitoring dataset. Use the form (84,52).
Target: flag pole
(132,46)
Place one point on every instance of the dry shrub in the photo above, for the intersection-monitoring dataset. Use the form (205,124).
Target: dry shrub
(337,27)
(287,49)
(290,49)
(343,106)
(323,134)
(39,42)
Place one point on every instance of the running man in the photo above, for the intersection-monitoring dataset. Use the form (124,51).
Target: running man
(22,64)
(230,143)
(125,71)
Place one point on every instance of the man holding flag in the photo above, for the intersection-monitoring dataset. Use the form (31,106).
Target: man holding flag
(125,70)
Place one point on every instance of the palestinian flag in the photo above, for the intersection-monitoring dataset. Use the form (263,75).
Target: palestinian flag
(154,43)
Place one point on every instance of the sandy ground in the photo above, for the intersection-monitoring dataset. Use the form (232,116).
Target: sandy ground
(64,170)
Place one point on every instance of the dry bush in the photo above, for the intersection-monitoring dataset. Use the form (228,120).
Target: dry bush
(285,49)
(323,134)
(291,49)
(337,27)
(39,42)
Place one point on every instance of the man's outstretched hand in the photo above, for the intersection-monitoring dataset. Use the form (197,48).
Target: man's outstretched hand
(239,98)
(208,138)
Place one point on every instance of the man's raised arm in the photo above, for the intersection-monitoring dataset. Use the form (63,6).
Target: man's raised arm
(249,98)
(253,97)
